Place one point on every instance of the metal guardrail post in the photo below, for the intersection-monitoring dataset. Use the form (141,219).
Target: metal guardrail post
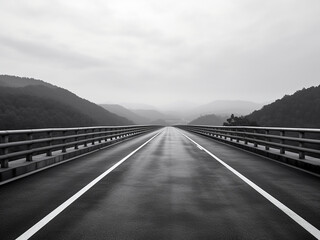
(105,135)
(64,148)
(4,162)
(85,144)
(93,142)
(29,147)
(100,135)
(238,135)
(282,150)
(245,138)
(266,139)
(49,152)
(301,153)
(231,134)
(255,144)
(76,146)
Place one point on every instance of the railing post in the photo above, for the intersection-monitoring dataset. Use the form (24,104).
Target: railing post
(267,139)
(105,135)
(76,146)
(85,137)
(111,133)
(215,133)
(282,149)
(301,153)
(255,144)
(245,137)
(4,162)
(93,136)
(238,134)
(49,152)
(64,148)
(231,134)
(100,135)
(29,147)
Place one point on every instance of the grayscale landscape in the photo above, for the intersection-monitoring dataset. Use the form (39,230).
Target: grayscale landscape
(159,119)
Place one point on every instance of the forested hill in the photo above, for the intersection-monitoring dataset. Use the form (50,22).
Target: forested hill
(22,111)
(13,81)
(26,104)
(302,109)
(210,119)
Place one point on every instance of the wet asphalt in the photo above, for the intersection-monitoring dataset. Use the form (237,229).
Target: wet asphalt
(169,189)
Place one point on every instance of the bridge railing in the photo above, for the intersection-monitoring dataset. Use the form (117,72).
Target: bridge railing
(303,141)
(17,144)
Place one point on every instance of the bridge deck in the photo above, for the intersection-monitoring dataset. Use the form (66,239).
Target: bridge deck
(169,189)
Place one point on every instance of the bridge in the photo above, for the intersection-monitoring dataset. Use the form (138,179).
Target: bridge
(153,182)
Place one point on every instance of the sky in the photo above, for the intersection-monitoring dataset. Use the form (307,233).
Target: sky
(164,52)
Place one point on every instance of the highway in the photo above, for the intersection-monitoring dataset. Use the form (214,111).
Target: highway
(170,188)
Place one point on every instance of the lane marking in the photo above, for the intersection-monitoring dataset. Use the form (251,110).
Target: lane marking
(198,146)
(31,231)
(302,222)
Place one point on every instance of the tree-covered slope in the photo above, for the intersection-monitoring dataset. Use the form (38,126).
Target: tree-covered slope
(210,119)
(124,112)
(21,111)
(13,81)
(302,109)
(55,99)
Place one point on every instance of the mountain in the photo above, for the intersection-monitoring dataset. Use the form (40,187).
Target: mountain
(132,105)
(124,112)
(210,119)
(159,122)
(152,115)
(225,108)
(21,111)
(33,90)
(178,107)
(302,109)
(13,81)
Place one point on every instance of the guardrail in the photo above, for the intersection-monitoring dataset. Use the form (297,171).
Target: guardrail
(17,144)
(303,141)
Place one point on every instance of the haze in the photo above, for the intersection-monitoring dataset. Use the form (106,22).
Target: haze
(164,52)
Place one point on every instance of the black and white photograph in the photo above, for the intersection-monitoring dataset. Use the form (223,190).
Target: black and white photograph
(159,120)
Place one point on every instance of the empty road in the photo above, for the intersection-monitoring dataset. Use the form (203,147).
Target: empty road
(170,188)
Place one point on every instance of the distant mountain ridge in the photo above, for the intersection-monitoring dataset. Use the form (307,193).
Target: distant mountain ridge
(152,115)
(124,112)
(37,103)
(206,114)
(84,112)
(210,119)
(15,82)
(301,109)
(227,107)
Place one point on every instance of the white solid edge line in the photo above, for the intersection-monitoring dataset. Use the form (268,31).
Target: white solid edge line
(303,223)
(35,228)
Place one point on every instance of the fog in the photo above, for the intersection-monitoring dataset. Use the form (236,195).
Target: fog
(164,53)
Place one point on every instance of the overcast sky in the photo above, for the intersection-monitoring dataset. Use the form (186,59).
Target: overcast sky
(161,52)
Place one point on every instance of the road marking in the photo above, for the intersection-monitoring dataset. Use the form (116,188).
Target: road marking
(303,223)
(198,146)
(31,231)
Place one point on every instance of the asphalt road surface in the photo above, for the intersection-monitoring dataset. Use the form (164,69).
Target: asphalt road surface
(169,189)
